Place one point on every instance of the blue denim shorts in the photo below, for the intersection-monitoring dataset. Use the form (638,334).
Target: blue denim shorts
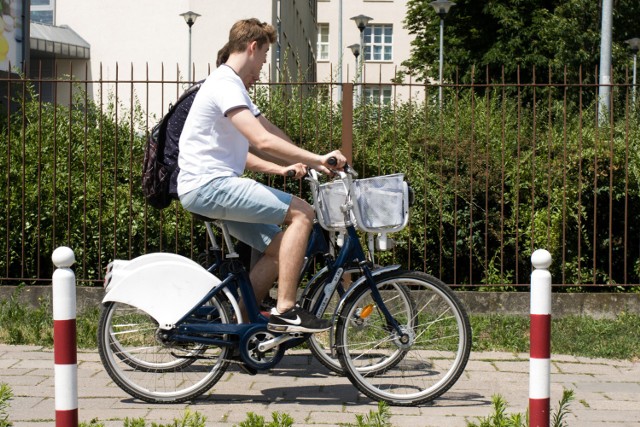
(252,211)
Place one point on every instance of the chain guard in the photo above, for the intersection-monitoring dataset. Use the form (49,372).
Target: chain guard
(249,349)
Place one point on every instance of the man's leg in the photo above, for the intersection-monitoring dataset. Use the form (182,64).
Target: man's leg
(299,221)
(286,317)
(284,256)
(265,272)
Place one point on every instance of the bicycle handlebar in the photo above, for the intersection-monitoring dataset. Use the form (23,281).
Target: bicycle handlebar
(346,169)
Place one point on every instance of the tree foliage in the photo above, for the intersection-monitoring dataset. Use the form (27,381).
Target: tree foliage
(519,35)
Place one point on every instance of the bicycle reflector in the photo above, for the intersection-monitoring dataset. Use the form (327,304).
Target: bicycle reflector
(366,311)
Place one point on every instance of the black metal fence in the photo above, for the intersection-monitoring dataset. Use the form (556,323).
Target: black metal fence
(499,170)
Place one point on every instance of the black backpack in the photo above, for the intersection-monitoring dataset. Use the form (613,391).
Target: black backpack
(160,168)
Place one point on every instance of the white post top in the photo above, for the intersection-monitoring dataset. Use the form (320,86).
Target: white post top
(63,257)
(541,258)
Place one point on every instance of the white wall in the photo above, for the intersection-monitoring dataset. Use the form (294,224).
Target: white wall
(130,35)
(151,31)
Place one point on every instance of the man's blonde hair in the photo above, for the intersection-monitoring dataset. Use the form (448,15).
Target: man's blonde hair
(249,30)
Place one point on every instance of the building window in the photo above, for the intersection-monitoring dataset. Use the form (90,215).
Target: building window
(323,42)
(378,42)
(42,11)
(377,94)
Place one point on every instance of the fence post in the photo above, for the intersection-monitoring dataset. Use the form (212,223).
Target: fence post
(347,121)
(540,340)
(64,338)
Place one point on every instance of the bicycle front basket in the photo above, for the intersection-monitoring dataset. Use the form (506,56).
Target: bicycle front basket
(331,197)
(381,203)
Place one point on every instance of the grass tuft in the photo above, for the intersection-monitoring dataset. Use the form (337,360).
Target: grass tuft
(500,418)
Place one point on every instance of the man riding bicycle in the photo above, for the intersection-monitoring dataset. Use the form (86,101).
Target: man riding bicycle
(224,134)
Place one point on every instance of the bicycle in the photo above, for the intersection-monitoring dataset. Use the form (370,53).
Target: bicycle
(319,250)
(187,348)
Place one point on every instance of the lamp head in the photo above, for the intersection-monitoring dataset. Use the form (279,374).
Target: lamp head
(190,17)
(442,7)
(362,21)
(634,43)
(355,48)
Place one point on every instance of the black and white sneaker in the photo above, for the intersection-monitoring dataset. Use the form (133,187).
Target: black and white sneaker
(296,320)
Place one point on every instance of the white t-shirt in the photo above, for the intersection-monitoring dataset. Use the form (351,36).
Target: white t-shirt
(210,146)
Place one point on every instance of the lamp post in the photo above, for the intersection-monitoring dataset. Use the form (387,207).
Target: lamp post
(442,8)
(190,18)
(361,22)
(604,90)
(634,43)
(355,48)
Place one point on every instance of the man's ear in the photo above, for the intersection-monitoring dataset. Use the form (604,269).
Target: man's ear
(253,47)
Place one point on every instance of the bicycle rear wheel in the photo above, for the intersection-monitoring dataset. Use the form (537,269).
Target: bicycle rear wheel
(127,322)
(419,364)
(141,361)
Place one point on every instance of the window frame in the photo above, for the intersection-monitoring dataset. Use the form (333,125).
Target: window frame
(385,46)
(381,98)
(50,7)
(321,44)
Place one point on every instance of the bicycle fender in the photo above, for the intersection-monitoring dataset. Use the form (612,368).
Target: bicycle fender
(355,285)
(164,287)
(120,267)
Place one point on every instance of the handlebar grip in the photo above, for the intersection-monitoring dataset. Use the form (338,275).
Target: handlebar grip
(332,161)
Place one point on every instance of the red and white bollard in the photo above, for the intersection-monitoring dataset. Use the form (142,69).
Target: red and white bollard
(540,340)
(64,338)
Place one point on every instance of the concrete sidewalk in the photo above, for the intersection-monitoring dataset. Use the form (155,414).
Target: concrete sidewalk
(607,392)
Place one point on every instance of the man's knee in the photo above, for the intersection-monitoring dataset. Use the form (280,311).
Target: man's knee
(301,211)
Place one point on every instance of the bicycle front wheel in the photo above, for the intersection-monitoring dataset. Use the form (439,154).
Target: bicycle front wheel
(417,364)
(140,360)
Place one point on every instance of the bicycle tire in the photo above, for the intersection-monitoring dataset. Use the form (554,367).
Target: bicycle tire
(165,376)
(435,354)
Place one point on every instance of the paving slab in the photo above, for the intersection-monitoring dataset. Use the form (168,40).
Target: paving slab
(606,392)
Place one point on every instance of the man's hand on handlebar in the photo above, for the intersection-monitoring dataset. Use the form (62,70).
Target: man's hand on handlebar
(297,171)
(331,161)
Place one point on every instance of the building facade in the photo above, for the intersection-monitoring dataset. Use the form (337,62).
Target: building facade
(386,45)
(149,39)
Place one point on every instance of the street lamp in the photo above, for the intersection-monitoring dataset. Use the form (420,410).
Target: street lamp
(361,22)
(190,18)
(442,8)
(355,48)
(634,43)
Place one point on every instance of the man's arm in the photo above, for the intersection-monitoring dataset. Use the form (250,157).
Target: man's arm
(270,127)
(269,158)
(259,137)
(256,164)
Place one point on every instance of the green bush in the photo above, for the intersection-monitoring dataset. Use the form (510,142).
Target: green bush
(495,176)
